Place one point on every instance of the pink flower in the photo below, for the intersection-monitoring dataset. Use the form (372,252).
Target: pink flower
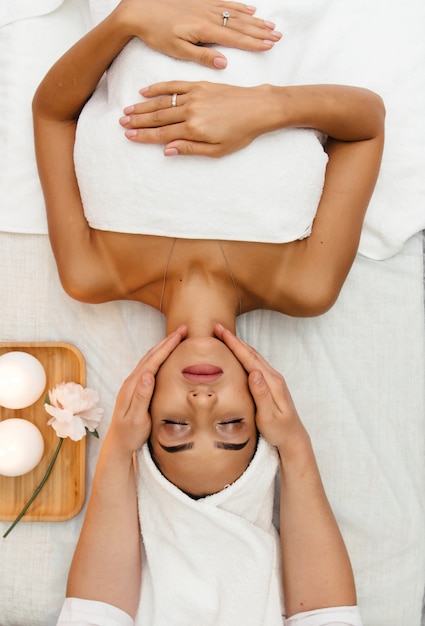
(73,410)
(74,413)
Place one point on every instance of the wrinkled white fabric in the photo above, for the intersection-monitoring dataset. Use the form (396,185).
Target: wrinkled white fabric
(269,191)
(345,376)
(77,612)
(28,48)
(210,561)
(333,616)
(13,10)
(356,42)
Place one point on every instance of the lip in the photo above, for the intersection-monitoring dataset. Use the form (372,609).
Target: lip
(202,373)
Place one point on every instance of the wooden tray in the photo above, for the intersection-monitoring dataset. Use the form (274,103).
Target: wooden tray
(62,496)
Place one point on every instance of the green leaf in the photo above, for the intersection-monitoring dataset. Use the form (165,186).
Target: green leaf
(38,489)
(93,433)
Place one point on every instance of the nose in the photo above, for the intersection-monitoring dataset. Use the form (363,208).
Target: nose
(202,397)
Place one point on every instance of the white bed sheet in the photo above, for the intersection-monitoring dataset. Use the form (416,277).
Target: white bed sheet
(356,374)
(378,45)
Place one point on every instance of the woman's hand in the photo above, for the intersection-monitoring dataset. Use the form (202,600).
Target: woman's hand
(208,119)
(276,417)
(131,423)
(179,29)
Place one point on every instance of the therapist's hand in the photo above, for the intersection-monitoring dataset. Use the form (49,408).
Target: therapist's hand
(208,119)
(131,422)
(276,417)
(179,29)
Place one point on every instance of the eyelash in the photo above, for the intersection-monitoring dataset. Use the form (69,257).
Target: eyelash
(233,421)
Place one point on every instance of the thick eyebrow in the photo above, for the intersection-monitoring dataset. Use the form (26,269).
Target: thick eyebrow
(218,444)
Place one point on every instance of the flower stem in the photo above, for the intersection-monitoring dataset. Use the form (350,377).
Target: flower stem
(38,489)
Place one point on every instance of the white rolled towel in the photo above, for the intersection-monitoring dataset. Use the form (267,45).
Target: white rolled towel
(269,191)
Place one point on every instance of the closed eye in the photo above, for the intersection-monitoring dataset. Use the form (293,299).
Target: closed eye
(232,426)
(175,427)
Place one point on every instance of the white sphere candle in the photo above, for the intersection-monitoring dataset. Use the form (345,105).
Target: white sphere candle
(22,380)
(21,446)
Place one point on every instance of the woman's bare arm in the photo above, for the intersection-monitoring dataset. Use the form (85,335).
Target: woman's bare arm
(82,264)
(214,120)
(86,268)
(315,268)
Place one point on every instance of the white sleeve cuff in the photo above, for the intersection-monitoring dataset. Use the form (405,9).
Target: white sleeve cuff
(333,616)
(78,612)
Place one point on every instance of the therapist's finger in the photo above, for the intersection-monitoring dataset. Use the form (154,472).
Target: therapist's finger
(261,392)
(137,413)
(131,422)
(142,393)
(148,366)
(246,354)
(252,361)
(155,357)
(276,416)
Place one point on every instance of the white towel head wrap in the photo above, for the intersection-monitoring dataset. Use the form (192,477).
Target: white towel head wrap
(214,560)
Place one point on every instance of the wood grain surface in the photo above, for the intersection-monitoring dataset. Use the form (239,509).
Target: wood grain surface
(62,496)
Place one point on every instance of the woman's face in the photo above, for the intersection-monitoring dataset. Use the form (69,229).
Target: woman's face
(203,417)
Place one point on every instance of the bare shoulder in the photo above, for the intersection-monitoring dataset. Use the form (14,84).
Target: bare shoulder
(122,266)
(259,272)
(289,278)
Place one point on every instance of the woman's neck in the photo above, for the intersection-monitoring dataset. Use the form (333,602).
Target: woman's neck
(200,296)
